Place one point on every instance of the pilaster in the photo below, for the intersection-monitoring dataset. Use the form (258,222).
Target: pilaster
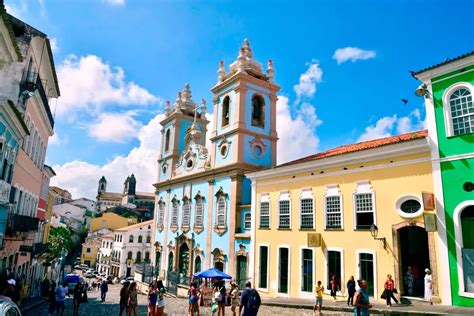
(210,224)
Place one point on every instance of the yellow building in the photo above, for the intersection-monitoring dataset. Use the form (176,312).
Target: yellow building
(47,217)
(315,217)
(90,248)
(110,221)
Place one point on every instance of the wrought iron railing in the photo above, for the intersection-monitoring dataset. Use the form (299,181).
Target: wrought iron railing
(21,223)
(44,98)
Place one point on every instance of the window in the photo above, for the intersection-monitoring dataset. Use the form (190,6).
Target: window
(221,211)
(129,255)
(199,212)
(467,232)
(167,140)
(247,221)
(186,213)
(148,239)
(258,111)
(174,214)
(333,212)
(140,239)
(364,210)
(147,257)
(88,250)
(225,111)
(334,267)
(462,111)
(265,214)
(130,239)
(170,261)
(306,213)
(263,267)
(284,211)
(197,264)
(409,206)
(139,257)
(307,270)
(366,271)
(161,213)
(283,269)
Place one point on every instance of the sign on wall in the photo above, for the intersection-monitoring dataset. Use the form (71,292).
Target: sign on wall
(430,222)
(428,201)
(314,240)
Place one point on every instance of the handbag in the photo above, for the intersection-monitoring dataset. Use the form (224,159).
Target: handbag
(384,294)
(395,291)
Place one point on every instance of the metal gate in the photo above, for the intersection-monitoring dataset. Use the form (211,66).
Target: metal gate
(172,282)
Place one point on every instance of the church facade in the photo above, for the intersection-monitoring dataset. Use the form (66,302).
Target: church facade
(203,212)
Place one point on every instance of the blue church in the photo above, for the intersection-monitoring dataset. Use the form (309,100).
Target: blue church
(202,212)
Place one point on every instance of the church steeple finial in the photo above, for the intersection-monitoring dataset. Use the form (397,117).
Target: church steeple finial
(221,71)
(247,49)
(270,70)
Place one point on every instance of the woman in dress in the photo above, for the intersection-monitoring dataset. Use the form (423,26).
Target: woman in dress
(351,289)
(152,296)
(219,296)
(133,300)
(235,298)
(428,286)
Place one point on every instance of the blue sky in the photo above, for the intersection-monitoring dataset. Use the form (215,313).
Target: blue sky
(129,56)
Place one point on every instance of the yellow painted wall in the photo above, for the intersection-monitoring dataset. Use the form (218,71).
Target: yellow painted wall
(389,184)
(110,221)
(47,217)
(94,246)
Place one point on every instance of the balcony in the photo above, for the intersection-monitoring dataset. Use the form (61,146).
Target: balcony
(39,248)
(5,189)
(21,224)
(44,98)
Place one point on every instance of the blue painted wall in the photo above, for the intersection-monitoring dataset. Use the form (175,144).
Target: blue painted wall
(253,89)
(232,108)
(266,158)
(246,192)
(219,161)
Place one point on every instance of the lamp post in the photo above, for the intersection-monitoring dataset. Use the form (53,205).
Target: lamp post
(374,231)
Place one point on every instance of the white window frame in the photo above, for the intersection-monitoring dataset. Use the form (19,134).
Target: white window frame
(247,221)
(448,119)
(357,267)
(284,196)
(161,212)
(306,194)
(326,263)
(363,187)
(257,279)
(264,198)
(278,293)
(334,191)
(460,245)
(174,212)
(405,198)
(199,200)
(186,202)
(302,293)
(224,211)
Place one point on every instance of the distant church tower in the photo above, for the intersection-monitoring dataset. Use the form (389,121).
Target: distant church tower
(102,185)
(244,113)
(130,185)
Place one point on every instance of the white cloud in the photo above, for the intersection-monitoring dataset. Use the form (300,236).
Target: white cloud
(54,44)
(391,125)
(115,2)
(18,10)
(81,177)
(88,84)
(308,80)
(353,54)
(57,140)
(115,127)
(296,136)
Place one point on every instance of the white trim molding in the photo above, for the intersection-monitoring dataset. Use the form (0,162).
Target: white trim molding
(459,245)
(333,190)
(307,194)
(302,293)
(374,254)
(278,293)
(257,279)
(341,277)
(448,119)
(404,198)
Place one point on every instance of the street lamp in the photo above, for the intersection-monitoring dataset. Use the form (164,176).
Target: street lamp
(374,231)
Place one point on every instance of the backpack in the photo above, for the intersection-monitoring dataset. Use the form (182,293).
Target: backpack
(253,300)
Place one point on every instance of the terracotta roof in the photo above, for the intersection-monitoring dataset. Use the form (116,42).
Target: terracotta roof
(147,194)
(447,61)
(371,144)
(110,195)
(131,227)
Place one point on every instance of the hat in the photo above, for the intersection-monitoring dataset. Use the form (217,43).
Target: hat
(11,282)
(427,270)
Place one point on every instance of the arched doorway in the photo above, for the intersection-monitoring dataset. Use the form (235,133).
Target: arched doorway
(170,261)
(197,264)
(183,259)
(467,248)
(158,262)
(414,257)
(241,271)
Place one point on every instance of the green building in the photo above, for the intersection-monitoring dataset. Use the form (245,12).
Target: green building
(448,90)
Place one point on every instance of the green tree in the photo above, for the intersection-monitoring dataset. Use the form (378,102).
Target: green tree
(60,239)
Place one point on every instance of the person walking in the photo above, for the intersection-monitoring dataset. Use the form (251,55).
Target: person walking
(79,296)
(124,298)
(249,301)
(428,286)
(51,293)
(389,290)
(161,301)
(235,298)
(104,288)
(152,296)
(318,304)
(351,289)
(333,286)
(133,300)
(193,296)
(61,292)
(219,295)
(361,300)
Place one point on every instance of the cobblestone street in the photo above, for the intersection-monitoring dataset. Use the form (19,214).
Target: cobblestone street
(174,306)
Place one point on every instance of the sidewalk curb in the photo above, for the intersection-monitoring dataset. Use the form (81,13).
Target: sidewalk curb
(32,306)
(348,309)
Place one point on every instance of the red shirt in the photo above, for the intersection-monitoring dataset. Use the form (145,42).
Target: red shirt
(389,284)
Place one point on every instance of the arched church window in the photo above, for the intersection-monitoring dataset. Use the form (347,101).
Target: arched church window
(140,239)
(186,213)
(225,111)
(130,239)
(167,140)
(221,211)
(139,257)
(174,214)
(199,212)
(258,111)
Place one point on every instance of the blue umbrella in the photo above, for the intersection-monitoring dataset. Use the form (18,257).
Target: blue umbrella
(213,273)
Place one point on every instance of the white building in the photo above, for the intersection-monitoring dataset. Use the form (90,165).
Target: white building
(104,254)
(88,204)
(73,216)
(132,246)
